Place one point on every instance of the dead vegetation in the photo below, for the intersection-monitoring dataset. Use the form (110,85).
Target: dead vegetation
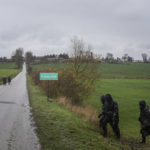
(86,112)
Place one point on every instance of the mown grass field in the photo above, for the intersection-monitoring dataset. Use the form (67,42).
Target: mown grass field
(60,129)
(8,69)
(128,84)
(7,65)
(130,70)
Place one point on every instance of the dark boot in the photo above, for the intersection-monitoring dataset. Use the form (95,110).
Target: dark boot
(105,130)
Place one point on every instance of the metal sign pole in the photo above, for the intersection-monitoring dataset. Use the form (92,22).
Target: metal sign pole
(48,91)
(48,77)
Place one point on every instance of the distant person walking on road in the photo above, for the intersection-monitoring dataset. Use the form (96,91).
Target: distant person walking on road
(9,80)
(4,81)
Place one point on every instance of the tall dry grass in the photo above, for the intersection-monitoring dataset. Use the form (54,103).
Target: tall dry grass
(87,112)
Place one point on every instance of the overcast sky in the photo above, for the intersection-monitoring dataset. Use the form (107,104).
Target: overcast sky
(46,26)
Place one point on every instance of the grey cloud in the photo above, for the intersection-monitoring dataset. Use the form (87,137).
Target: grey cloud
(46,26)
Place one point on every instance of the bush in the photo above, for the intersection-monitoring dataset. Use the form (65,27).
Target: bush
(77,79)
(53,85)
(73,87)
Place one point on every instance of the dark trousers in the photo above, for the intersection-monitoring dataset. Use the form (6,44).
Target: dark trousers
(114,124)
(145,131)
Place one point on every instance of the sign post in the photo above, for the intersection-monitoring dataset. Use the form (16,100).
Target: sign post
(48,77)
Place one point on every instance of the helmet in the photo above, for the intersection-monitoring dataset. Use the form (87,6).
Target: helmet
(102,99)
(142,104)
(109,98)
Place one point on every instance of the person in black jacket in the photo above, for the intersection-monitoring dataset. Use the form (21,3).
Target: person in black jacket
(101,115)
(9,80)
(109,115)
(4,81)
(144,120)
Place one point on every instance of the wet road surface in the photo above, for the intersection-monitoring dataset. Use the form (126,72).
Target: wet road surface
(16,121)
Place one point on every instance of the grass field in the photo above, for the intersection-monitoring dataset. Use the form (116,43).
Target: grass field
(60,129)
(7,65)
(128,84)
(127,92)
(131,70)
(8,69)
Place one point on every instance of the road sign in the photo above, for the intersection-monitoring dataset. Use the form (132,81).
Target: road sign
(48,76)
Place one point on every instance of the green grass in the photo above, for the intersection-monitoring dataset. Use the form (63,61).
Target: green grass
(131,70)
(128,84)
(50,65)
(7,65)
(60,129)
(7,69)
(127,92)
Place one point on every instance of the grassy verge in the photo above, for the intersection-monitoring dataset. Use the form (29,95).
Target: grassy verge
(60,129)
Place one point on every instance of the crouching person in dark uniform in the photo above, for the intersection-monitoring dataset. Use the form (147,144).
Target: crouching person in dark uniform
(110,115)
(144,120)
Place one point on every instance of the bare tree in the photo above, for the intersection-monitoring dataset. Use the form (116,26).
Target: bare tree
(145,57)
(109,57)
(82,55)
(125,57)
(84,72)
(130,59)
(18,57)
(77,77)
(29,57)
(118,60)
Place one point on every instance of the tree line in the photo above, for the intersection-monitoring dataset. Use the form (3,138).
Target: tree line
(18,57)
(109,58)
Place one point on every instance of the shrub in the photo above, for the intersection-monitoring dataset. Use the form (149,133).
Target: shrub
(76,88)
(77,79)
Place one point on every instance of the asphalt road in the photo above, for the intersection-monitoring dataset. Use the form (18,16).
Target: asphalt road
(17,127)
